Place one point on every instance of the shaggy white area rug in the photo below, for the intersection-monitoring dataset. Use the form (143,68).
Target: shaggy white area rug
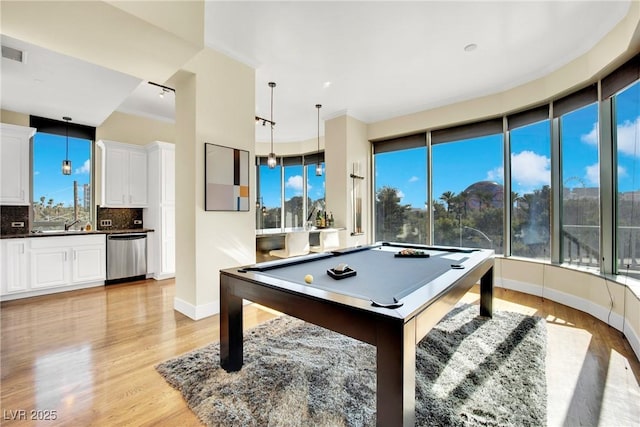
(470,371)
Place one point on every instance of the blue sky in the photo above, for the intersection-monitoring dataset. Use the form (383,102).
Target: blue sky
(48,180)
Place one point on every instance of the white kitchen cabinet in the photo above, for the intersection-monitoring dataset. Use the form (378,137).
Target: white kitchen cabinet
(160,213)
(67,260)
(46,264)
(88,263)
(14,266)
(14,164)
(49,266)
(124,175)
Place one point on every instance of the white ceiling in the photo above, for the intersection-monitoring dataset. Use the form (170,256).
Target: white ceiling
(373,60)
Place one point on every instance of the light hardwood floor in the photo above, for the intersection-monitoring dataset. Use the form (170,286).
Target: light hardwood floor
(89,356)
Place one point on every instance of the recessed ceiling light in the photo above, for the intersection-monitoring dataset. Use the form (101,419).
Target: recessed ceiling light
(470,47)
(326,84)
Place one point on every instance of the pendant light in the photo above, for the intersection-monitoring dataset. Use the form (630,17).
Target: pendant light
(271,160)
(66,163)
(318,164)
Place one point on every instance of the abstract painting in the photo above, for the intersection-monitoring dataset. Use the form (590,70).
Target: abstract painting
(226,178)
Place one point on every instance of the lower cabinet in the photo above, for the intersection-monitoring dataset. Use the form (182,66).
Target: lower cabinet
(35,266)
(88,263)
(49,266)
(14,266)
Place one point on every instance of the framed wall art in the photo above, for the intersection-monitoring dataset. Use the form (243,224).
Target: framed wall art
(226,174)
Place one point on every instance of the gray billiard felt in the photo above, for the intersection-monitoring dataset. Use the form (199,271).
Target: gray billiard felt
(380,277)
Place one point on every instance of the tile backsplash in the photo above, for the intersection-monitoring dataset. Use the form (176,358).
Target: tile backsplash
(14,215)
(121,218)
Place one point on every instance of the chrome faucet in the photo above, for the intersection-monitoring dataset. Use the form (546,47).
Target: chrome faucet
(68,226)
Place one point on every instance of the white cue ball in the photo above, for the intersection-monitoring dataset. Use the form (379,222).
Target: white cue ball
(308,278)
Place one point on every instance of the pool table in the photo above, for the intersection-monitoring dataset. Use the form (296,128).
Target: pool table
(389,295)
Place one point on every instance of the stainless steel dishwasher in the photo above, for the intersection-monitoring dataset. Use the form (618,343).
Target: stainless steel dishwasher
(126,257)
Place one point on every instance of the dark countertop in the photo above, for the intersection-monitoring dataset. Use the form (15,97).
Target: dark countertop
(76,233)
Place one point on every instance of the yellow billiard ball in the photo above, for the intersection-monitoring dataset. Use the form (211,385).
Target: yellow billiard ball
(308,278)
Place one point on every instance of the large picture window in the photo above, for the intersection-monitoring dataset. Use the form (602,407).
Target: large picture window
(531,186)
(294,195)
(291,189)
(269,202)
(627,132)
(401,195)
(315,191)
(60,199)
(468,187)
(580,187)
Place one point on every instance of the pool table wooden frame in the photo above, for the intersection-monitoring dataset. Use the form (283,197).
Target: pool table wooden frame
(394,332)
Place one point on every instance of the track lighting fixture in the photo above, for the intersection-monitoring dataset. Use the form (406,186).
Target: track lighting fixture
(163,89)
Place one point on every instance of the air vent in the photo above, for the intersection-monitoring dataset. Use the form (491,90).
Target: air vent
(13,54)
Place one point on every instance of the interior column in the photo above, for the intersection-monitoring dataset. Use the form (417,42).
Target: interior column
(346,144)
(214,104)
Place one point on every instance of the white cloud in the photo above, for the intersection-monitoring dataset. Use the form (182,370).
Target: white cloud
(529,169)
(591,138)
(295,182)
(414,179)
(85,168)
(622,172)
(400,194)
(496,174)
(628,134)
(593,174)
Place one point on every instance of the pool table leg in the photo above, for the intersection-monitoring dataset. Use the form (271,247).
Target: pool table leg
(231,349)
(486,294)
(396,373)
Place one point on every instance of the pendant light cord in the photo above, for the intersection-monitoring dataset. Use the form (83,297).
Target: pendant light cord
(272,85)
(67,152)
(67,119)
(318,106)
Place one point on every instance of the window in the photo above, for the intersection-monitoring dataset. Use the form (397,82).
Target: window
(531,186)
(315,190)
(401,195)
(61,199)
(291,188)
(627,120)
(468,186)
(580,186)
(269,203)
(293,194)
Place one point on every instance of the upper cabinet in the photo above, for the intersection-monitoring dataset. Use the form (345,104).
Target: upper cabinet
(124,175)
(14,164)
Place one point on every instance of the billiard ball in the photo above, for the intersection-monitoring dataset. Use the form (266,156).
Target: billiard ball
(308,278)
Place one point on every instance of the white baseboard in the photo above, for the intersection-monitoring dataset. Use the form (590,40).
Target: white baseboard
(196,312)
(599,312)
(163,276)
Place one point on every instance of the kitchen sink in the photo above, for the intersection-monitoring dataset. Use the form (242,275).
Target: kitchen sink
(59,232)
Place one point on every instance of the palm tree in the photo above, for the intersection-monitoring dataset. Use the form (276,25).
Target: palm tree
(448,197)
